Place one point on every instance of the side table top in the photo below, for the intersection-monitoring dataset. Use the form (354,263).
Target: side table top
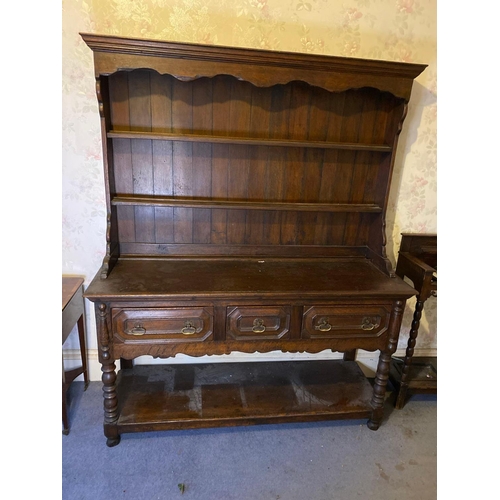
(70,285)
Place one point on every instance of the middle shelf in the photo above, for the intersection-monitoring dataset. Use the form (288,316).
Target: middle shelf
(252,141)
(184,202)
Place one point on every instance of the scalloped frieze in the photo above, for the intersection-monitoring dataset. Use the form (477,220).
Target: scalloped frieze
(220,348)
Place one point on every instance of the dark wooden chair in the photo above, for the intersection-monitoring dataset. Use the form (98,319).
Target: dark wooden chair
(72,313)
(417,261)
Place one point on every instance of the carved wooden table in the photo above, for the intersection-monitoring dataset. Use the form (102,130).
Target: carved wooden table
(72,314)
(417,260)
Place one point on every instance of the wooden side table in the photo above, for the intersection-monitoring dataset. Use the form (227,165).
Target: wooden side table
(72,313)
(417,260)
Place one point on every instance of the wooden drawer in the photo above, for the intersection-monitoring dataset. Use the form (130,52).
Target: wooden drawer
(176,324)
(258,323)
(330,322)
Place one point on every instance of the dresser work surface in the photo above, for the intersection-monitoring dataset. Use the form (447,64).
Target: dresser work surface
(161,278)
(246,195)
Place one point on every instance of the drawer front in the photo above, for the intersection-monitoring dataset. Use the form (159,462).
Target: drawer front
(176,324)
(258,323)
(331,322)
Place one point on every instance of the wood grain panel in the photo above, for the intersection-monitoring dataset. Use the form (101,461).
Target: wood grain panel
(395,110)
(142,166)
(317,130)
(396,113)
(161,121)
(330,227)
(277,159)
(124,183)
(182,120)
(353,109)
(142,152)
(374,161)
(259,118)
(112,240)
(385,106)
(363,167)
(220,156)
(119,101)
(202,157)
(298,123)
(239,124)
(122,153)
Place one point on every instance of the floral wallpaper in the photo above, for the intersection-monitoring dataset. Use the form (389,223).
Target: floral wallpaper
(399,30)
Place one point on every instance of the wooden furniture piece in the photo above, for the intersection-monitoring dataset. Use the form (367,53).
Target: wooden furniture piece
(72,314)
(246,193)
(417,260)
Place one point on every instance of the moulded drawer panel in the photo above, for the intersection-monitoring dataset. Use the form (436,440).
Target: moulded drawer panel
(176,324)
(330,322)
(258,323)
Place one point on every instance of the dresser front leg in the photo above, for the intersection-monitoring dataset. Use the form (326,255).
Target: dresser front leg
(108,369)
(384,363)
(110,404)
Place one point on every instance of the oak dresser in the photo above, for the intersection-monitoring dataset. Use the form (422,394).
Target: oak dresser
(246,197)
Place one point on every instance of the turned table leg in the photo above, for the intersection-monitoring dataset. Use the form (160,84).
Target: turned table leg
(384,363)
(110,404)
(108,368)
(412,340)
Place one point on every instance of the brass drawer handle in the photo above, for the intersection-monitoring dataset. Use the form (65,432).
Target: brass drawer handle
(258,326)
(323,325)
(188,329)
(138,330)
(367,324)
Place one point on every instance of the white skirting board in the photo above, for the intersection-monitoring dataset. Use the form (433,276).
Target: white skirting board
(367,360)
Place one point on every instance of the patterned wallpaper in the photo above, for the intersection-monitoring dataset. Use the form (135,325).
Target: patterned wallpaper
(399,30)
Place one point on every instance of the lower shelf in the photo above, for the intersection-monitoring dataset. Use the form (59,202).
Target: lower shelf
(162,397)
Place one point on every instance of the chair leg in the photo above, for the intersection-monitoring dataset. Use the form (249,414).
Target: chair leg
(65,420)
(83,351)
(412,340)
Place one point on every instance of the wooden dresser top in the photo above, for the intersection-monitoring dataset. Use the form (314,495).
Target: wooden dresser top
(215,278)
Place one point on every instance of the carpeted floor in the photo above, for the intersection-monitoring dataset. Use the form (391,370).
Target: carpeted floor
(339,460)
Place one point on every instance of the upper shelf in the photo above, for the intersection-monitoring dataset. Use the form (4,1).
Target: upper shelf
(188,61)
(169,201)
(188,137)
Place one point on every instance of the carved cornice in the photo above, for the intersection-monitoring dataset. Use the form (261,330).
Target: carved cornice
(121,45)
(196,60)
